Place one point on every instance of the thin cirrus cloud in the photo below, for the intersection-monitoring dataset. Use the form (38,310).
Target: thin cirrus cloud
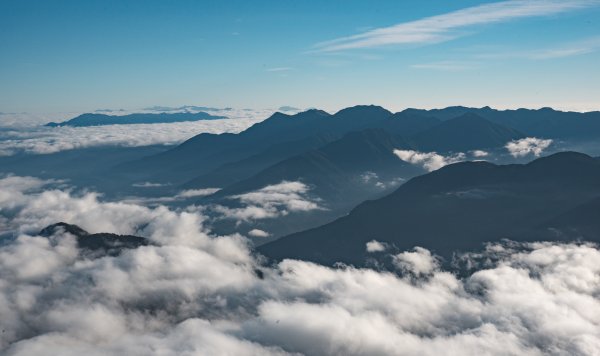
(446,27)
(446,66)
(279,69)
(574,48)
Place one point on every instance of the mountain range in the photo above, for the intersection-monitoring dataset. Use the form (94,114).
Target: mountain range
(95,119)
(343,158)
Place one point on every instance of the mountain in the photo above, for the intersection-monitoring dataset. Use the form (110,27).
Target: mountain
(142,118)
(232,172)
(466,132)
(99,244)
(329,169)
(328,131)
(205,152)
(406,125)
(361,165)
(459,207)
(544,122)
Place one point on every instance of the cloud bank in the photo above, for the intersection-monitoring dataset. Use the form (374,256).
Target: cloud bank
(194,293)
(45,140)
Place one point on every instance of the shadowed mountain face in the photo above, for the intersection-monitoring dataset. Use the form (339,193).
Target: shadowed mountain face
(99,244)
(341,174)
(333,168)
(102,119)
(461,206)
(466,132)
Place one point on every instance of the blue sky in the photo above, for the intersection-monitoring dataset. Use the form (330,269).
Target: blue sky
(86,55)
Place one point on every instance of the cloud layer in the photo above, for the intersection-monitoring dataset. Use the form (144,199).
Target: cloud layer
(195,293)
(44,140)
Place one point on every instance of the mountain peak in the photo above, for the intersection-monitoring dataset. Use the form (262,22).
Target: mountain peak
(363,110)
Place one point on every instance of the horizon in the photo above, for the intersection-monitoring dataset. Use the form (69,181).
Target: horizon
(69,56)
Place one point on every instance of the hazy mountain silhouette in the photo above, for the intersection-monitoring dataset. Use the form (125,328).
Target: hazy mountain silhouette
(91,119)
(544,122)
(459,207)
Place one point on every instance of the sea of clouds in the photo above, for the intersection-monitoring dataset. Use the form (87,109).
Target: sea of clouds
(191,292)
(30,136)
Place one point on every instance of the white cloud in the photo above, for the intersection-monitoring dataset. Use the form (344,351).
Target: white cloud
(148,185)
(451,25)
(420,261)
(193,293)
(258,233)
(428,160)
(270,202)
(191,193)
(528,145)
(375,246)
(479,153)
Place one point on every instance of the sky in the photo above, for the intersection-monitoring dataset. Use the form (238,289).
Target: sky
(60,56)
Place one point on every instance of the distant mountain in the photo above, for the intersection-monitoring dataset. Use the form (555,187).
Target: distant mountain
(99,244)
(466,132)
(102,119)
(544,122)
(461,206)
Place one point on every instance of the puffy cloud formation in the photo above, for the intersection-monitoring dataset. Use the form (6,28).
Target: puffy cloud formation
(428,160)
(479,153)
(258,233)
(419,261)
(44,140)
(375,246)
(270,202)
(528,145)
(193,293)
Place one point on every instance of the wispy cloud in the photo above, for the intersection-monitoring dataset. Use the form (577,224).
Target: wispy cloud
(446,66)
(448,26)
(279,69)
(575,48)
